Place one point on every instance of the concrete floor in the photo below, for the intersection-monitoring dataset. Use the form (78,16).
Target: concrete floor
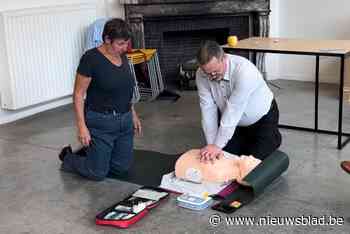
(36,197)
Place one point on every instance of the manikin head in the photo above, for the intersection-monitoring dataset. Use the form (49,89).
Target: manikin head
(228,167)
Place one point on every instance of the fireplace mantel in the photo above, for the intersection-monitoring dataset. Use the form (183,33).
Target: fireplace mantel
(256,5)
(137,10)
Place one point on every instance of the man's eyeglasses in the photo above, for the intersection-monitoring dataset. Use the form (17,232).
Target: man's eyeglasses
(212,75)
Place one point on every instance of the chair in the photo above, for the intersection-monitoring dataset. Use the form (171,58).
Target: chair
(153,73)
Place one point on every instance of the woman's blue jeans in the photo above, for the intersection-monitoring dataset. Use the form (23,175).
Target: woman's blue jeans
(111,147)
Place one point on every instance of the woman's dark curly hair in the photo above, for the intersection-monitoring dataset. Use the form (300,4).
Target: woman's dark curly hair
(116,29)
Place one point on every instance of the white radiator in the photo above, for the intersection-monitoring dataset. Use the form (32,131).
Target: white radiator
(39,51)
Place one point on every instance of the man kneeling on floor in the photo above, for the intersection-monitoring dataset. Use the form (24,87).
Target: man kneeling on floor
(239,112)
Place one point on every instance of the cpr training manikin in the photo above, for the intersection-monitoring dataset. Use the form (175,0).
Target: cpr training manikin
(193,176)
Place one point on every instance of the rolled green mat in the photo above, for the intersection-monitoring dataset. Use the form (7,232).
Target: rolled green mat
(255,182)
(267,171)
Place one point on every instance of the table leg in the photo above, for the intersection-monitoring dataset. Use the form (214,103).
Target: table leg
(317,81)
(254,58)
(341,90)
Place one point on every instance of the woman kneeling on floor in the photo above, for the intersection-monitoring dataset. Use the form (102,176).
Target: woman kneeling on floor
(107,120)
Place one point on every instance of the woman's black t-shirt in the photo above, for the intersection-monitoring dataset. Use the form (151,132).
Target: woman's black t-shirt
(111,86)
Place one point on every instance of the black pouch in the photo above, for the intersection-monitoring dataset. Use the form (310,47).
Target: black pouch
(241,196)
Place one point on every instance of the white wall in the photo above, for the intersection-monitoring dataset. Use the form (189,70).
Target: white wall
(111,7)
(104,7)
(311,19)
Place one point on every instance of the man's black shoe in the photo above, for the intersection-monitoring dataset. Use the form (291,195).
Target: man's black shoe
(64,152)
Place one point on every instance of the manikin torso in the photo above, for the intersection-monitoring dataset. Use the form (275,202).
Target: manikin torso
(227,167)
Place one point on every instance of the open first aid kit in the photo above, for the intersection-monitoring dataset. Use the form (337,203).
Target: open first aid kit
(133,208)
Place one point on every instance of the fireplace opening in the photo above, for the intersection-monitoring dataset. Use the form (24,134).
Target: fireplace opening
(181,46)
(177,39)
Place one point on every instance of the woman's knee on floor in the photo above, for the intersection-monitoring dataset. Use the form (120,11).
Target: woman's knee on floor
(97,169)
(121,170)
(122,157)
(98,161)
(97,175)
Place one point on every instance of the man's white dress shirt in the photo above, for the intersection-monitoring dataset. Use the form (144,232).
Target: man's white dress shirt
(242,97)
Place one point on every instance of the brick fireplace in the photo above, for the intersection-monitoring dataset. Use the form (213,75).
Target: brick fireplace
(176,27)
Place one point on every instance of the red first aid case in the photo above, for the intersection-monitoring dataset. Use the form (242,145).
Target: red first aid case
(133,208)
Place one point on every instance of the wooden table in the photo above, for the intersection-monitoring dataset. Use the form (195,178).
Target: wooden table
(317,48)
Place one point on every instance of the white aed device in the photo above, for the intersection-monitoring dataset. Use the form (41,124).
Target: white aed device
(194,202)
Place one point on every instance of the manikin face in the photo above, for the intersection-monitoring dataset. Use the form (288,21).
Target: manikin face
(118,46)
(189,167)
(215,68)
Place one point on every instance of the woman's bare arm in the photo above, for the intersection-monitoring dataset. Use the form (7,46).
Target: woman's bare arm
(81,85)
